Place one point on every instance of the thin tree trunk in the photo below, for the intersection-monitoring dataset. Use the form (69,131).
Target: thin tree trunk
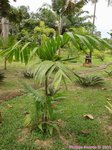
(5,32)
(59,31)
(60,25)
(93,27)
(5,27)
(94,17)
(45,116)
(46,86)
(5,63)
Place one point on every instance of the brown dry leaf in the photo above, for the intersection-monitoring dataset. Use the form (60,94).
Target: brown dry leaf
(85,132)
(9,106)
(89,116)
(104,88)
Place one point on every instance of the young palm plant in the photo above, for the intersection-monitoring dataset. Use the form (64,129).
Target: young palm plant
(109,73)
(6,44)
(89,81)
(49,67)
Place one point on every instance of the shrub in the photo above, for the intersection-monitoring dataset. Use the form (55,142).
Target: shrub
(2,76)
(100,56)
(90,80)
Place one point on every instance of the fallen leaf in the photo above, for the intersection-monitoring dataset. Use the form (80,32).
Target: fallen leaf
(9,106)
(85,132)
(89,116)
(104,88)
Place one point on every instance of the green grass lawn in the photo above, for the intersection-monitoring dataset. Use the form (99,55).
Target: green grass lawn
(75,129)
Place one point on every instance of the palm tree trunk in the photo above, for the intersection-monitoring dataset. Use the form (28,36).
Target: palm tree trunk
(5,32)
(5,27)
(93,27)
(5,63)
(94,17)
(59,31)
(60,25)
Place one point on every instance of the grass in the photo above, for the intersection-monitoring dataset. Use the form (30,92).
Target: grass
(75,129)
(92,102)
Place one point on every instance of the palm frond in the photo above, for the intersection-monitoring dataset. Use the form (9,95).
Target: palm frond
(17,52)
(88,42)
(55,70)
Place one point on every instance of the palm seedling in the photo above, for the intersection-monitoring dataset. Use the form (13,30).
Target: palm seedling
(49,66)
(89,81)
(6,44)
(109,73)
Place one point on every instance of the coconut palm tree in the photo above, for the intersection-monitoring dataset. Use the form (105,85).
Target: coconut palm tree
(94,15)
(95,5)
(64,8)
(94,2)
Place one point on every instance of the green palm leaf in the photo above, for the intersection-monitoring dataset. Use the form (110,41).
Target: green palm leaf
(55,70)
